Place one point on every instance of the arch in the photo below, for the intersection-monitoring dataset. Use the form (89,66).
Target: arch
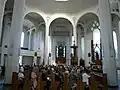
(115,17)
(35,18)
(56,16)
(87,15)
(62,19)
(36,13)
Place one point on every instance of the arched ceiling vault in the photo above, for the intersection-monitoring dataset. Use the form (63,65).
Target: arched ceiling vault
(86,21)
(33,19)
(61,26)
(53,6)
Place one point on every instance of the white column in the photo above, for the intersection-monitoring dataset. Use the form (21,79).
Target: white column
(35,47)
(46,43)
(70,50)
(41,46)
(74,31)
(2,6)
(118,43)
(75,34)
(109,65)
(79,47)
(12,64)
(85,49)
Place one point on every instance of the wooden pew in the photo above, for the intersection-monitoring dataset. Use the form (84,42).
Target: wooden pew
(92,84)
(98,80)
(15,81)
(66,82)
(40,84)
(53,82)
(80,85)
(27,81)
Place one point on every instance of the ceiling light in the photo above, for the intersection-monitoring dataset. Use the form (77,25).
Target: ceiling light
(61,0)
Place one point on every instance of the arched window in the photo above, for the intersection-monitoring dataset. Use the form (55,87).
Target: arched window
(49,48)
(96,36)
(115,43)
(21,45)
(73,43)
(22,39)
(96,32)
(83,47)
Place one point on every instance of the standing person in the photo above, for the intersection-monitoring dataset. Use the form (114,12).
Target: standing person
(85,77)
(21,78)
(34,79)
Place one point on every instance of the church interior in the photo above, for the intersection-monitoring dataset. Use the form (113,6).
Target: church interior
(59,44)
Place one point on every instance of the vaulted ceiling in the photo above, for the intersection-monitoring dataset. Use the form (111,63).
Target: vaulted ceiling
(52,6)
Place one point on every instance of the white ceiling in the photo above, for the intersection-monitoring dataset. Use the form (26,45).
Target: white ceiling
(52,6)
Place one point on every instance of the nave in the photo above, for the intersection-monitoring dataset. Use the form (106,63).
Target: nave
(61,77)
(60,44)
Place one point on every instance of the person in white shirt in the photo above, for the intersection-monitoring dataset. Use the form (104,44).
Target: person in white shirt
(20,74)
(21,78)
(85,78)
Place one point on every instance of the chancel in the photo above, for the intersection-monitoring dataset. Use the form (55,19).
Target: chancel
(60,44)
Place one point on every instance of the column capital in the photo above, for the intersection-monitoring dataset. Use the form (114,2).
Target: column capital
(74,20)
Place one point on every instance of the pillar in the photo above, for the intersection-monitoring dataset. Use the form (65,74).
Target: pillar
(109,65)
(118,38)
(41,41)
(86,47)
(74,31)
(2,6)
(70,49)
(46,43)
(12,64)
(79,46)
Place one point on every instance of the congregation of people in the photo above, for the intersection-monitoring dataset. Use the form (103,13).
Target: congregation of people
(45,72)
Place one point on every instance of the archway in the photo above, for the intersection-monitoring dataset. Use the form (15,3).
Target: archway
(6,25)
(116,36)
(87,28)
(61,31)
(34,31)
